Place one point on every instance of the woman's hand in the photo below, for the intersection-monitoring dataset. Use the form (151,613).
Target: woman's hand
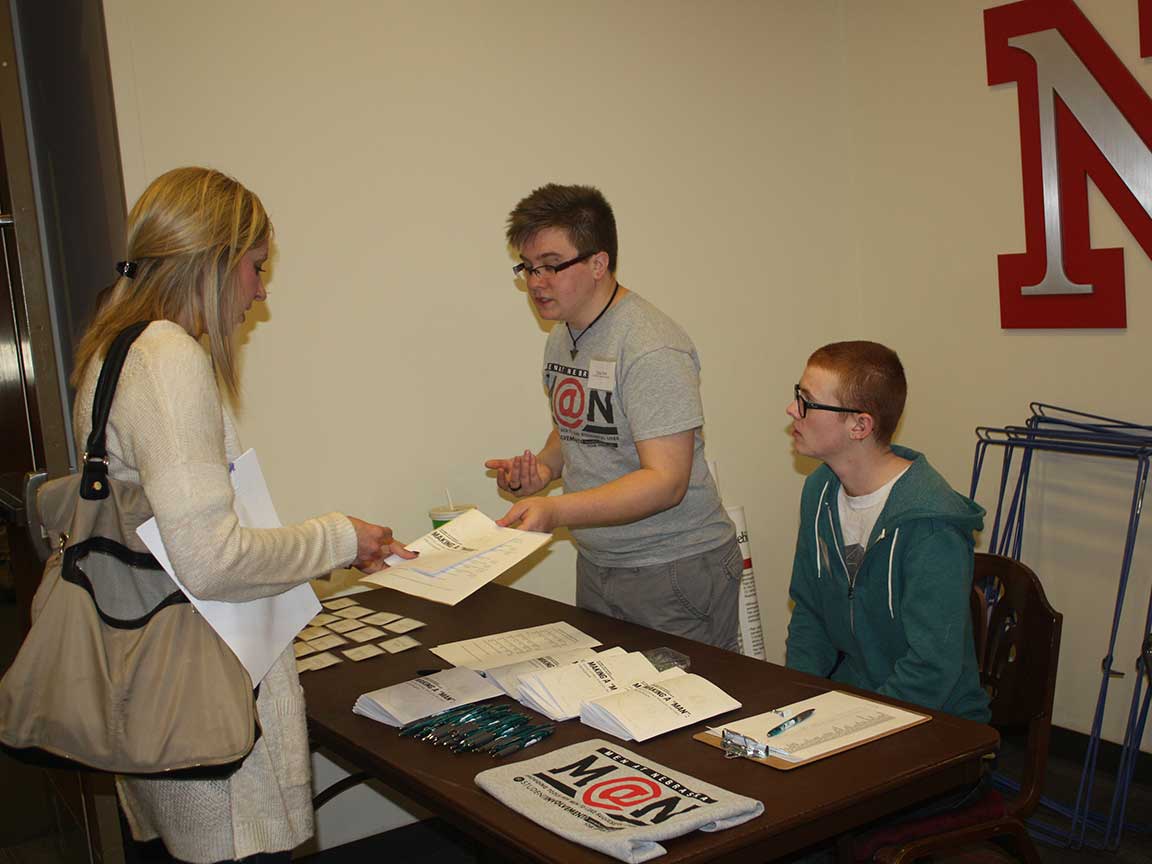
(375,543)
(521,475)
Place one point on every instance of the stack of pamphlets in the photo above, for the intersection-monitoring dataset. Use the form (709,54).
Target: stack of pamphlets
(425,696)
(651,708)
(558,693)
(507,677)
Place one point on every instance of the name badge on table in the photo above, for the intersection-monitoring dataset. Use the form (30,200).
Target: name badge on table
(602,375)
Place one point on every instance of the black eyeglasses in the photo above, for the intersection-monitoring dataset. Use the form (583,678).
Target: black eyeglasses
(803,406)
(523,269)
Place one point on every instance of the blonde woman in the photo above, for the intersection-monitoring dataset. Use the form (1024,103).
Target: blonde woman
(197,245)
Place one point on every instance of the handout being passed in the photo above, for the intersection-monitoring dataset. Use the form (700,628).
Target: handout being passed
(458,558)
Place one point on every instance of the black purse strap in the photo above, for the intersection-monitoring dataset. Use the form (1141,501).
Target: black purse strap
(94,480)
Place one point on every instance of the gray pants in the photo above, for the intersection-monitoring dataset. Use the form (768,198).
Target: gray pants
(695,597)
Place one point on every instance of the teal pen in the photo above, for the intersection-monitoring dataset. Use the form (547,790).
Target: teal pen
(517,735)
(421,727)
(482,720)
(478,738)
(417,725)
(432,725)
(526,740)
(791,721)
(462,727)
(466,737)
(508,737)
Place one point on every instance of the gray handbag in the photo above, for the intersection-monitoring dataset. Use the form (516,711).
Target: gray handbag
(119,672)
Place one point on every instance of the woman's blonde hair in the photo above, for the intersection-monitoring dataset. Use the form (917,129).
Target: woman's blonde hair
(186,236)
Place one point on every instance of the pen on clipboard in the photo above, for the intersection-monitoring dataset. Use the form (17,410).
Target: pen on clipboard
(791,721)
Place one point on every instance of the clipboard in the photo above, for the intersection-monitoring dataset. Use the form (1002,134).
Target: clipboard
(866,720)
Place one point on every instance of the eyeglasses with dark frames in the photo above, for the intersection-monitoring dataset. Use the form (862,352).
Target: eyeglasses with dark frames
(803,406)
(525,270)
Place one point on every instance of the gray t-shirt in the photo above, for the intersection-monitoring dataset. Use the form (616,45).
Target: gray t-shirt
(636,377)
(613,800)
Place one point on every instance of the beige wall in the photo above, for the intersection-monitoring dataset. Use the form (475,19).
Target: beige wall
(784,174)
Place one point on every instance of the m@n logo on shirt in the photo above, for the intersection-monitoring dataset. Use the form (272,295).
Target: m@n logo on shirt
(568,400)
(621,793)
(583,414)
(642,796)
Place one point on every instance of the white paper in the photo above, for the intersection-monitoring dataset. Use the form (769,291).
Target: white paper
(458,558)
(379,618)
(602,375)
(507,677)
(317,661)
(362,652)
(651,708)
(345,625)
(400,643)
(511,646)
(558,693)
(840,720)
(751,629)
(257,631)
(366,634)
(352,612)
(324,643)
(424,696)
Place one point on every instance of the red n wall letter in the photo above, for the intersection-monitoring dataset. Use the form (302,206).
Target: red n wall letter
(1082,114)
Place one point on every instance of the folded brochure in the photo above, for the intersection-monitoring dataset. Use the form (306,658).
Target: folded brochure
(422,697)
(651,708)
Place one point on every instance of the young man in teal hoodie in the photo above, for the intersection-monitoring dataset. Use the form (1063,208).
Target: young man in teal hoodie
(884,557)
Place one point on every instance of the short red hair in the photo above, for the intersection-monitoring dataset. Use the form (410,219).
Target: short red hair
(871,379)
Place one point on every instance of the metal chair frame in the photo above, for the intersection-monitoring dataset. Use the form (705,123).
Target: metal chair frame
(1061,430)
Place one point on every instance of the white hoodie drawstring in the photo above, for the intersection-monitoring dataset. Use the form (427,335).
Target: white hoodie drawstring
(891,549)
(891,554)
(816,526)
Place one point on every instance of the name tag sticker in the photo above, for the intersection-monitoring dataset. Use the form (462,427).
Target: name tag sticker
(602,375)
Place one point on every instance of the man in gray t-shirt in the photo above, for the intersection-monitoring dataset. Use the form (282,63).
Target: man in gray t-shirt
(655,544)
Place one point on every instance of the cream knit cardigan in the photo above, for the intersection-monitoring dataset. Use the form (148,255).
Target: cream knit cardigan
(168,431)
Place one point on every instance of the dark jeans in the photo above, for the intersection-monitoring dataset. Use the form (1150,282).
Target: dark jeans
(154,852)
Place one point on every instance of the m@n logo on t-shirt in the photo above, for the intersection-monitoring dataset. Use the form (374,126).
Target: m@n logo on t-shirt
(582,414)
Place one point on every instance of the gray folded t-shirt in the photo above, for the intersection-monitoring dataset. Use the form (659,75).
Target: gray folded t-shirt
(614,801)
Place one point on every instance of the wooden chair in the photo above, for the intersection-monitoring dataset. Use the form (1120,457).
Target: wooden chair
(978,609)
(1018,669)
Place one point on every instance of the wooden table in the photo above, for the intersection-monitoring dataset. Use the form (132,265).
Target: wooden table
(809,804)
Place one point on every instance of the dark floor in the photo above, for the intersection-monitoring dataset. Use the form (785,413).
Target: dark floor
(1062,780)
(35,828)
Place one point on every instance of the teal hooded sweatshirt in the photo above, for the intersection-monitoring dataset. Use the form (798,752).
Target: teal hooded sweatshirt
(903,628)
